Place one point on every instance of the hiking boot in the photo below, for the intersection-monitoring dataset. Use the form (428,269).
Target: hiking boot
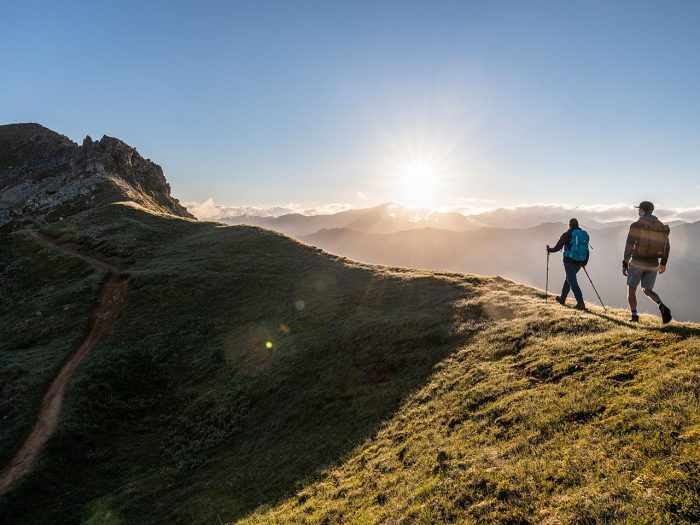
(580,306)
(634,318)
(665,313)
(560,300)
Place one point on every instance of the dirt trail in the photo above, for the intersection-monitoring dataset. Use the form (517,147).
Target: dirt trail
(110,301)
(58,246)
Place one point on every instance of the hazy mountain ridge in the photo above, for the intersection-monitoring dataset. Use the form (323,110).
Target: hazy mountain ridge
(392,218)
(385,218)
(45,174)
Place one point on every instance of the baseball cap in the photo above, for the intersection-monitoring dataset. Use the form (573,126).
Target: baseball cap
(646,206)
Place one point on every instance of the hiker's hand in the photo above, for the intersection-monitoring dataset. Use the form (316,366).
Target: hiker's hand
(625,271)
(662,268)
(548,248)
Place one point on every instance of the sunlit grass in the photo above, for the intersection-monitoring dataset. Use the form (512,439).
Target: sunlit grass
(548,417)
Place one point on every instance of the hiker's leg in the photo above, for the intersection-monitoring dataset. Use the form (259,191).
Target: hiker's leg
(632,297)
(571,271)
(565,290)
(651,294)
(648,280)
(634,276)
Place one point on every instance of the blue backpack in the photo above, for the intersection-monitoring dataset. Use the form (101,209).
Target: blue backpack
(579,246)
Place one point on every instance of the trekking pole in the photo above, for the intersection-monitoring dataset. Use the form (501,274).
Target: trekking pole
(546,281)
(596,291)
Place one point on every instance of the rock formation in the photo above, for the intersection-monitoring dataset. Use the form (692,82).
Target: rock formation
(46,175)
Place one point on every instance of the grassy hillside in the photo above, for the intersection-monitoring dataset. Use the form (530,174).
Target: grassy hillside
(253,377)
(546,417)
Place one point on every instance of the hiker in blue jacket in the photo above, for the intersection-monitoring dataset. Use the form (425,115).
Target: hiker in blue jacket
(575,244)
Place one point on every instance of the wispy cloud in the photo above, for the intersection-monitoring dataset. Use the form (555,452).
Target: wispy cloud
(210,210)
(686,214)
(473,206)
(595,213)
(362,196)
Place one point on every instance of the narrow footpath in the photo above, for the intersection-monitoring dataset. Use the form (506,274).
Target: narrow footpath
(110,301)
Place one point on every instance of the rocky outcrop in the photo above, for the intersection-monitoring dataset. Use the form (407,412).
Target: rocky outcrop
(46,175)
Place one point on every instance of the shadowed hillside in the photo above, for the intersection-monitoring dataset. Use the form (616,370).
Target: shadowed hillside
(240,355)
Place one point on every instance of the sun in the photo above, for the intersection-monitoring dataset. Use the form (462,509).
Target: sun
(417,183)
(416,166)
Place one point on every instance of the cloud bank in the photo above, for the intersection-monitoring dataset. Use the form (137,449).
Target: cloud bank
(211,211)
(596,214)
(523,215)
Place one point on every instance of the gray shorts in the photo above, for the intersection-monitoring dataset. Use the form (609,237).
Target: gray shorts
(647,276)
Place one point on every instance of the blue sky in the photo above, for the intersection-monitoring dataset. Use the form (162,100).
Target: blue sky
(435,103)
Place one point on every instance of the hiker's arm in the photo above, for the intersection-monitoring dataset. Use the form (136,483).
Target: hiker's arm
(664,257)
(666,253)
(560,244)
(629,246)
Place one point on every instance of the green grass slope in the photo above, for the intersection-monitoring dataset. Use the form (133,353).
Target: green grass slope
(251,377)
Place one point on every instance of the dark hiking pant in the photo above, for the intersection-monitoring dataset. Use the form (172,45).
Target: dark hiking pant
(571,282)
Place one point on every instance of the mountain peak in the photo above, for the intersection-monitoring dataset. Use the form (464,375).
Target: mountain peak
(45,174)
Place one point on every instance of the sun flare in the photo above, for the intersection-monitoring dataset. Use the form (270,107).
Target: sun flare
(417,183)
(418,166)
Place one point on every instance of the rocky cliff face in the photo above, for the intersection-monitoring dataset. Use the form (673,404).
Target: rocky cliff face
(45,175)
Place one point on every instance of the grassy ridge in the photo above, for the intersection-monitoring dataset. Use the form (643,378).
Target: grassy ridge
(546,417)
(253,377)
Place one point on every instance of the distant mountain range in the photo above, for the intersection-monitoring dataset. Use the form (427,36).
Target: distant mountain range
(392,218)
(385,218)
